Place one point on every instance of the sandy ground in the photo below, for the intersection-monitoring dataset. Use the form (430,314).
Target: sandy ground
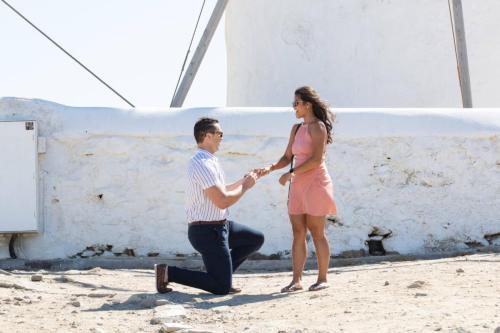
(459,294)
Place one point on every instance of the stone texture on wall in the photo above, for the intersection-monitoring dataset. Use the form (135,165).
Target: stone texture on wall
(117,177)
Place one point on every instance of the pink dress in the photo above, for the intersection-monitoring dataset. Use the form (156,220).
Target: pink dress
(311,192)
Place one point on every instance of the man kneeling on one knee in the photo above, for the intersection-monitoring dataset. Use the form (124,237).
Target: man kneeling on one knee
(223,244)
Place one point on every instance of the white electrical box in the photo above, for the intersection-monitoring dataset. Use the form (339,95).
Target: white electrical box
(18,177)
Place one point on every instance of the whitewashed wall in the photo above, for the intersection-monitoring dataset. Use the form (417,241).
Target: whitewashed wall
(359,53)
(432,176)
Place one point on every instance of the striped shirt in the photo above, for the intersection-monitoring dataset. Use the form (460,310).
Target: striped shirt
(204,171)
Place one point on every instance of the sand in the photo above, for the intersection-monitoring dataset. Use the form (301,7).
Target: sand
(460,294)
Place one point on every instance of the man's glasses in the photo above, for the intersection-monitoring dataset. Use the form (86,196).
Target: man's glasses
(219,133)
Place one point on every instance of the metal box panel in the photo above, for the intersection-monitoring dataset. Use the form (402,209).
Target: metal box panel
(18,177)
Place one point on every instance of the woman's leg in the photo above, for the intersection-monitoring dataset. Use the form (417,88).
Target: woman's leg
(316,225)
(299,246)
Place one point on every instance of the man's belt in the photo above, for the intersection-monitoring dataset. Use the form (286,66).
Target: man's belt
(208,222)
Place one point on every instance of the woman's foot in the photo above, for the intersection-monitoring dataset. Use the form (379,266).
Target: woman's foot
(294,286)
(319,286)
(161,273)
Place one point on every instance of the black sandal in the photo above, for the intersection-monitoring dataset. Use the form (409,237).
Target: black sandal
(319,286)
(291,288)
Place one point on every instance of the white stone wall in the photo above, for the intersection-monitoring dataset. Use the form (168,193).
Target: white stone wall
(359,53)
(431,176)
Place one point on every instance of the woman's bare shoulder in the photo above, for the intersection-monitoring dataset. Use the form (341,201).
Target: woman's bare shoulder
(317,126)
(295,127)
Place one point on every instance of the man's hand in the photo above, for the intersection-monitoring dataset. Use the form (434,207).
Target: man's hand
(285,178)
(224,197)
(249,180)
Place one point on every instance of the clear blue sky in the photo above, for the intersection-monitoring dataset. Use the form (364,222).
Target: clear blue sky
(136,46)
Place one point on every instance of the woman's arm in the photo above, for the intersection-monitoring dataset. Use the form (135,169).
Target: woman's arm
(284,160)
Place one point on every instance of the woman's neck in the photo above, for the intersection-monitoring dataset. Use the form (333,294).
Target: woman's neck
(308,119)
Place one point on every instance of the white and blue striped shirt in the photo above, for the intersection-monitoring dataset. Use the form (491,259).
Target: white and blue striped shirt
(204,171)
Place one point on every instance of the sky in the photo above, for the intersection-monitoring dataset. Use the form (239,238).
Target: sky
(137,47)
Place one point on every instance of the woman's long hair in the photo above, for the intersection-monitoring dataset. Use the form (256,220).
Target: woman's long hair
(321,109)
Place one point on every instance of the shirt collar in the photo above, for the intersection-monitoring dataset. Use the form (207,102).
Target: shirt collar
(206,152)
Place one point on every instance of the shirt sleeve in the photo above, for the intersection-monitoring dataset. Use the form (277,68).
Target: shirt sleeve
(202,174)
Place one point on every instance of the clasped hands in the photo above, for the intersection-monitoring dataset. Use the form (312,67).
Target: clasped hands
(261,172)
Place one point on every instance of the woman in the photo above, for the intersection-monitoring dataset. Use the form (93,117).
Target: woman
(311,191)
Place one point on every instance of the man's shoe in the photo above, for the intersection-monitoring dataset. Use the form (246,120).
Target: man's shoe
(161,273)
(234,290)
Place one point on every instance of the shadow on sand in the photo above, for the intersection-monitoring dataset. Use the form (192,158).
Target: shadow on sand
(195,300)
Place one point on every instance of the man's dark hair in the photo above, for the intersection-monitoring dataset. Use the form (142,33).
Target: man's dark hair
(204,126)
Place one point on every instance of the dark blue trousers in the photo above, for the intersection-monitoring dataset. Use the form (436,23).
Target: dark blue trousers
(223,249)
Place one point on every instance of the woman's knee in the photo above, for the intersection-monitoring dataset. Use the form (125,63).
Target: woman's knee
(299,234)
(317,233)
(319,237)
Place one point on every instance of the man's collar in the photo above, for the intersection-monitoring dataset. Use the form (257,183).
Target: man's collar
(207,152)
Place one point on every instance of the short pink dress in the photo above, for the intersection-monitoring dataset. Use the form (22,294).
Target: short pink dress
(311,192)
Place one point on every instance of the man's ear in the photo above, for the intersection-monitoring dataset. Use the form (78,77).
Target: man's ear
(204,137)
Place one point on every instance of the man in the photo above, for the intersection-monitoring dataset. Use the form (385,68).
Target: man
(224,245)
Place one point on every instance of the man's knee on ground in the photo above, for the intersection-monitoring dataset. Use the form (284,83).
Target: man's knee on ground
(222,288)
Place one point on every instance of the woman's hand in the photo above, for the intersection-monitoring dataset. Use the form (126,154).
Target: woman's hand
(261,172)
(285,178)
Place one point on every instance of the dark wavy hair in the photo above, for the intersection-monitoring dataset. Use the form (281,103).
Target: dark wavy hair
(321,109)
